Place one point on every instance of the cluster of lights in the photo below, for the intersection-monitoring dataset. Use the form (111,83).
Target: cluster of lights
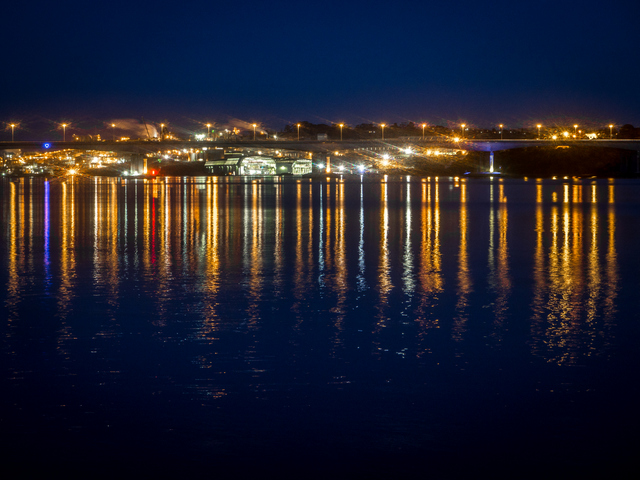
(439,152)
(61,159)
(341,168)
(566,134)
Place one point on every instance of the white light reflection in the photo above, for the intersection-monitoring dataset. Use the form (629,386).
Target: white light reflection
(407,257)
(362,283)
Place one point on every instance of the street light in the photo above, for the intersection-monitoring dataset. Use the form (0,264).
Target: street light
(501,131)
(162,131)
(610,132)
(423,126)
(575,130)
(113,132)
(539,130)
(462,129)
(13,126)
(298,131)
(341,125)
(64,132)
(254,132)
(382,125)
(208,131)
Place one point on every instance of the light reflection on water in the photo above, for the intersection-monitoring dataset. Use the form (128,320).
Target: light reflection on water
(214,288)
(180,234)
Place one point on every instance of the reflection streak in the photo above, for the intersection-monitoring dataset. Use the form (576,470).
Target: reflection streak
(384,275)
(464,276)
(430,274)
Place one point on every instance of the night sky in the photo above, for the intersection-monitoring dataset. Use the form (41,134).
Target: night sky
(185,63)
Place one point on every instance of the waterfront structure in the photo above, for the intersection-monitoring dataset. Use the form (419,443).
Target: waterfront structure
(390,154)
(258,165)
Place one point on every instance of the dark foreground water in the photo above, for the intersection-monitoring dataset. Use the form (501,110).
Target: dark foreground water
(421,327)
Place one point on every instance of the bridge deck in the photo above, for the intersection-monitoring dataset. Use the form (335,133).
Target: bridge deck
(486,145)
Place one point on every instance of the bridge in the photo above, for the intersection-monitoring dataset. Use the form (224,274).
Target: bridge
(320,146)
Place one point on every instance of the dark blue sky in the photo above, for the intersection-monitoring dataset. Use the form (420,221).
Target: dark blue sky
(483,63)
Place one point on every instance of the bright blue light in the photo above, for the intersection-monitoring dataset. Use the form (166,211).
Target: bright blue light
(46,145)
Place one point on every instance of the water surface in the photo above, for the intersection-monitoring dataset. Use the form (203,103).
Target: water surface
(357,327)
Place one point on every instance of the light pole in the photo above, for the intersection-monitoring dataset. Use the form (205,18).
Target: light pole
(382,125)
(13,126)
(610,132)
(539,131)
(341,125)
(501,131)
(423,127)
(254,132)
(113,132)
(575,131)
(462,130)
(208,131)
(162,131)
(64,132)
(298,131)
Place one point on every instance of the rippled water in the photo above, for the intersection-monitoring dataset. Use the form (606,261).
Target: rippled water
(384,327)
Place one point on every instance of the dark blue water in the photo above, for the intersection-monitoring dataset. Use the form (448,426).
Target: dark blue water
(419,327)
